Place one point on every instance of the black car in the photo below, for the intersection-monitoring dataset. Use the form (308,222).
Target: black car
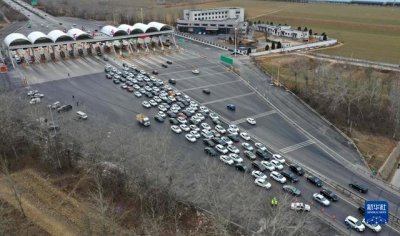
(208,142)
(206,91)
(263,154)
(331,196)
(210,151)
(218,141)
(296,169)
(216,121)
(159,119)
(64,108)
(314,180)
(291,190)
(258,166)
(172,81)
(241,167)
(187,113)
(234,138)
(171,114)
(290,176)
(173,121)
(122,80)
(155,72)
(169,62)
(163,65)
(358,187)
(186,103)
(116,81)
(148,94)
(361,210)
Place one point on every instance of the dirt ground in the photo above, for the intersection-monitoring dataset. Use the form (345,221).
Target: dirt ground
(375,148)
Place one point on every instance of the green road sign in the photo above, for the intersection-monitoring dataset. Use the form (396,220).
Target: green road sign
(34,3)
(226,60)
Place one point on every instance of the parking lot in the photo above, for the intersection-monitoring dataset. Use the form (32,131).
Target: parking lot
(101,99)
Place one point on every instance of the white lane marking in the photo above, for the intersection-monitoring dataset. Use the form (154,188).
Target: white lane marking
(297,146)
(210,85)
(224,99)
(174,72)
(255,116)
(201,76)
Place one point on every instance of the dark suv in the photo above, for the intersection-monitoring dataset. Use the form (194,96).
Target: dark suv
(64,108)
(297,169)
(290,176)
(331,196)
(358,187)
(210,151)
(263,154)
(314,180)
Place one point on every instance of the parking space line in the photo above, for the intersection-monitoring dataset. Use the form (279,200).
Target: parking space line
(297,146)
(224,99)
(208,86)
(174,72)
(201,76)
(236,122)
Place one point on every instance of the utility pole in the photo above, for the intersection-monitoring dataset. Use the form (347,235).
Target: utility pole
(141,13)
(235,41)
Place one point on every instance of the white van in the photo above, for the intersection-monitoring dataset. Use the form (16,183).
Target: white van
(82,115)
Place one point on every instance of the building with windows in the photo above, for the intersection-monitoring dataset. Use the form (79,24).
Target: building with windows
(212,21)
(283,31)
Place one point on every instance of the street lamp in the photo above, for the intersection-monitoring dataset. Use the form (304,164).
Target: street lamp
(235,41)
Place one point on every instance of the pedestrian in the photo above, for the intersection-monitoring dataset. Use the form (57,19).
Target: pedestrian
(77,104)
(68,74)
(73,97)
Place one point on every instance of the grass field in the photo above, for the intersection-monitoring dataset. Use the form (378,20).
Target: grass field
(368,32)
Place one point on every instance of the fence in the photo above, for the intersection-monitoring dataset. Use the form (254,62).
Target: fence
(390,163)
(200,40)
(326,43)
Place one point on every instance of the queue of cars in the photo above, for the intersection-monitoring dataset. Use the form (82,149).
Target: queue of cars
(225,141)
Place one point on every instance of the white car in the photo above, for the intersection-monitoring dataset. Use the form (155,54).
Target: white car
(153,103)
(195,133)
(232,131)
(278,158)
(205,126)
(262,183)
(204,108)
(245,136)
(34,101)
(176,129)
(196,71)
(258,174)
(354,223)
(233,149)
(162,108)
(226,159)
(190,138)
(268,165)
(184,127)
(374,227)
(260,146)
(162,114)
(199,116)
(194,127)
(206,133)
(321,199)
(55,105)
(236,157)
(182,120)
(251,121)
(233,127)
(138,94)
(278,177)
(221,149)
(247,146)
(220,129)
(227,140)
(214,116)
(277,164)
(299,206)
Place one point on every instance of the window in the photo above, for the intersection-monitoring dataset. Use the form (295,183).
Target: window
(230,25)
(221,25)
(213,25)
(195,18)
(237,12)
(204,24)
(196,24)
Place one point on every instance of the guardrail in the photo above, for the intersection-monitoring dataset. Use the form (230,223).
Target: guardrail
(200,40)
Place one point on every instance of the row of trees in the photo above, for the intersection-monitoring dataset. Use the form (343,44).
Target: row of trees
(148,168)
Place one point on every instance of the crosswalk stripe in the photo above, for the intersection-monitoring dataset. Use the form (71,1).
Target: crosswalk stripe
(297,146)
(254,117)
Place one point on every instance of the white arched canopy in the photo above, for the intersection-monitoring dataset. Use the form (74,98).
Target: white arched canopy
(159,26)
(127,28)
(16,39)
(78,34)
(59,36)
(113,31)
(38,37)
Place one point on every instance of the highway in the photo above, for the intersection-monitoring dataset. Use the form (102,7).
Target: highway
(283,123)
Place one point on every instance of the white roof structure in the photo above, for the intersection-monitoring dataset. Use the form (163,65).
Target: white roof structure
(59,36)
(159,26)
(142,28)
(38,37)
(78,34)
(16,39)
(126,28)
(113,31)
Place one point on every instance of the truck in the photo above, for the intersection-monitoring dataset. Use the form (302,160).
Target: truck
(143,119)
